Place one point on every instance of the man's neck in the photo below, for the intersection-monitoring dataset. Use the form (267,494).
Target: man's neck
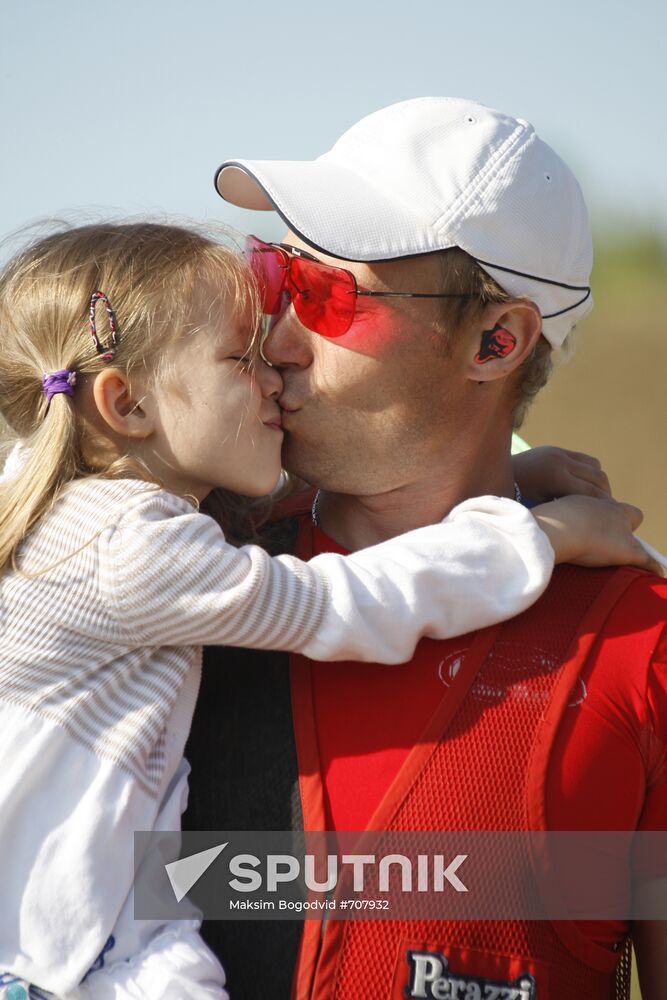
(357,521)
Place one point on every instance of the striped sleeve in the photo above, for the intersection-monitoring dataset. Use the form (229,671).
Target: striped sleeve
(172,578)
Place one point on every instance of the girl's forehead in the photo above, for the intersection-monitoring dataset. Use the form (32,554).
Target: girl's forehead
(214,304)
(219,317)
(225,301)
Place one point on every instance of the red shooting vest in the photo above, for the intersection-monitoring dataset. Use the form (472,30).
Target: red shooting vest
(481,764)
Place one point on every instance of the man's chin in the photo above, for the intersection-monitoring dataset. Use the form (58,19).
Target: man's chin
(298,459)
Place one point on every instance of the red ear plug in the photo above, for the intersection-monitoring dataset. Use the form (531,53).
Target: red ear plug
(496,343)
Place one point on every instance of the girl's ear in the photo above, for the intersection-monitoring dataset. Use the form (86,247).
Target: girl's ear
(117,406)
(504,339)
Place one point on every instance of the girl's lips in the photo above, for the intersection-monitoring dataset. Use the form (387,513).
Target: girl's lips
(274,419)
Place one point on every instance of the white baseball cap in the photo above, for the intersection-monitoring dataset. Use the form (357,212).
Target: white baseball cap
(430,174)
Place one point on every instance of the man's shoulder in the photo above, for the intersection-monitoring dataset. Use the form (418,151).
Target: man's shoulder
(631,640)
(621,597)
(644,602)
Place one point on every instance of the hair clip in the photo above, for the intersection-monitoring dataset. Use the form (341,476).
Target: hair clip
(107,353)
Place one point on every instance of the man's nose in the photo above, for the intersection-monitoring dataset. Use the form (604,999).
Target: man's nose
(288,342)
(270,380)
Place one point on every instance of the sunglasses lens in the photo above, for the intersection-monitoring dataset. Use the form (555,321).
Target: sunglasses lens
(269,265)
(323,297)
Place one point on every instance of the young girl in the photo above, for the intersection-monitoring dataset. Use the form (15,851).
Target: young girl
(110,578)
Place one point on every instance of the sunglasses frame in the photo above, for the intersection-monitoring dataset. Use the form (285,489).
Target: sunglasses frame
(287,253)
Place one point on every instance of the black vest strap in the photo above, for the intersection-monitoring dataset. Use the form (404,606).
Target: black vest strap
(245,777)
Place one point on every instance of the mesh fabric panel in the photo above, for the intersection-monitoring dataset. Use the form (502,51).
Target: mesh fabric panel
(476,780)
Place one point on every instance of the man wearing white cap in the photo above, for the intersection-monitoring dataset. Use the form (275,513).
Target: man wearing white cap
(434,258)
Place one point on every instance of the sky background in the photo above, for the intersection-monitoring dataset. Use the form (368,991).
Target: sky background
(128,107)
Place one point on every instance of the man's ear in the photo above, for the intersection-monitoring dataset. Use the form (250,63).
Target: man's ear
(504,337)
(117,406)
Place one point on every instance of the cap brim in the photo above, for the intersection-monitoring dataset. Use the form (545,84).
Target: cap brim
(237,186)
(331,208)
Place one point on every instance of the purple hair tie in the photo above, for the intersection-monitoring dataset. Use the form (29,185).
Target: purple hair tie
(55,382)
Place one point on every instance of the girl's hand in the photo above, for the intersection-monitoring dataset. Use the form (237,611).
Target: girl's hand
(594,532)
(548,472)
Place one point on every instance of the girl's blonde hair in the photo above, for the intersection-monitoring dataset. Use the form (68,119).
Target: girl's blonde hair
(149,272)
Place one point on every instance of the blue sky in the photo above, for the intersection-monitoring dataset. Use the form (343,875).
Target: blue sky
(127,107)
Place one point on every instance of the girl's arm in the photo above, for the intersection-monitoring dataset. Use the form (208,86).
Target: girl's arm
(172,578)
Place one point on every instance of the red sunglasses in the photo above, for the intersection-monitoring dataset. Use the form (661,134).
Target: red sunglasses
(324,297)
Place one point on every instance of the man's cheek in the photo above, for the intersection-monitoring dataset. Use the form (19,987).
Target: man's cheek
(375,332)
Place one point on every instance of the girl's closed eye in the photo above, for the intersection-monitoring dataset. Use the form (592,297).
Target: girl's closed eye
(244,359)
